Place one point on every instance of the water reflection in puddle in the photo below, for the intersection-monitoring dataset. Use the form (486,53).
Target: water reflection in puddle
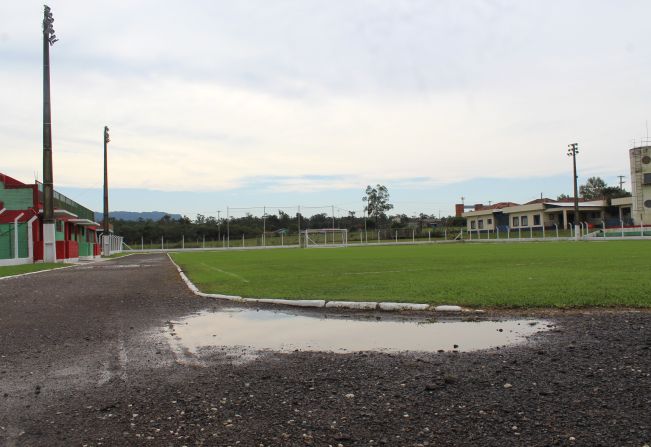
(259,330)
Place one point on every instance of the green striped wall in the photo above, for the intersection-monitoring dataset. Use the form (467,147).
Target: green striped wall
(16,199)
(7,241)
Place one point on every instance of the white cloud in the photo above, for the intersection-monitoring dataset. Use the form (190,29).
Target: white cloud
(325,95)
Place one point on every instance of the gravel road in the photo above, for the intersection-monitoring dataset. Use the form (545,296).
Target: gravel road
(85,360)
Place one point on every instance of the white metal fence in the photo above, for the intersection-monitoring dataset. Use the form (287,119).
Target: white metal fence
(111,244)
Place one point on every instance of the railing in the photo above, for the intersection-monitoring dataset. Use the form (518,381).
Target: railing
(63,202)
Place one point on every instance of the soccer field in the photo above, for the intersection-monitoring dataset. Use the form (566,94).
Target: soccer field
(550,274)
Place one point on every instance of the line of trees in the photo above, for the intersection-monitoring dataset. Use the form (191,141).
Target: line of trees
(595,188)
(376,204)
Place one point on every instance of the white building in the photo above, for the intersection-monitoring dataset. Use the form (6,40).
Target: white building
(641,184)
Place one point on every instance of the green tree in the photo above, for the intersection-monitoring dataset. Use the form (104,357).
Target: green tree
(377,201)
(593,188)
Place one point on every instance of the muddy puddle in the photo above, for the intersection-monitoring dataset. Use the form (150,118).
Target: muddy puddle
(250,330)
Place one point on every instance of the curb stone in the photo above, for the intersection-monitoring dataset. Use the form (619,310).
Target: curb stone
(359,305)
(368,305)
(403,306)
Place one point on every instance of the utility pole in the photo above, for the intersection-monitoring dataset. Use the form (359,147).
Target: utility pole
(572,150)
(105,235)
(621,181)
(49,238)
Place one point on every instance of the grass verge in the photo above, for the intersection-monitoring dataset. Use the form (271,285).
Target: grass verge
(551,274)
(11,270)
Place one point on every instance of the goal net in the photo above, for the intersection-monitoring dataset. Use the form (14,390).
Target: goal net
(324,237)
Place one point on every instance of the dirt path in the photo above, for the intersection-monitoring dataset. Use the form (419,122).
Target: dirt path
(84,360)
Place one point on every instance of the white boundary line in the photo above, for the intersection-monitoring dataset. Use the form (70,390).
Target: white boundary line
(365,305)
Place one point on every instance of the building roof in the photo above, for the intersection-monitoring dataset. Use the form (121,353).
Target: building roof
(10,181)
(9,216)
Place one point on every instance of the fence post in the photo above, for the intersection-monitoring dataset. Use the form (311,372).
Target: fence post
(16,234)
(396,236)
(183,242)
(162,243)
(413,236)
(142,243)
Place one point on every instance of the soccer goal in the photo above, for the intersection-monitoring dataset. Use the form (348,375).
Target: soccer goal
(324,237)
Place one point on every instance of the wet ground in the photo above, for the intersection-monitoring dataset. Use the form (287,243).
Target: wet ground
(116,354)
(259,330)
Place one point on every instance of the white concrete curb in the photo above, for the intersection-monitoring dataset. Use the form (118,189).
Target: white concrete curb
(446,308)
(403,306)
(359,305)
(352,304)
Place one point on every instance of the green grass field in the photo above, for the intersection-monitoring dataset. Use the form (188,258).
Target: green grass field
(550,274)
(27,268)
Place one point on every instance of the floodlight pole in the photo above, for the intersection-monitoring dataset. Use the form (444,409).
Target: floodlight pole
(49,238)
(105,234)
(572,150)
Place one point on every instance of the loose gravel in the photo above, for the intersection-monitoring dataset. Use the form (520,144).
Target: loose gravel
(85,360)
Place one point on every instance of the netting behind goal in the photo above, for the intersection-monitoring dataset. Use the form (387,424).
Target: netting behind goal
(324,237)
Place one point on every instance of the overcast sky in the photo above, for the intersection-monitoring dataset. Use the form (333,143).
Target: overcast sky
(277,103)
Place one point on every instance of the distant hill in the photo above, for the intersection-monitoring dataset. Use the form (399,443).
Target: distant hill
(134,215)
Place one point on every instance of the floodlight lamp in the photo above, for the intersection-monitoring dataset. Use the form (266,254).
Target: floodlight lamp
(48,29)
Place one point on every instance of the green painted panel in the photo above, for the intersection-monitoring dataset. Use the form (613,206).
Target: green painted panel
(17,199)
(7,241)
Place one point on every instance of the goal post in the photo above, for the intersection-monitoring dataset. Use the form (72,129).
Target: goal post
(324,237)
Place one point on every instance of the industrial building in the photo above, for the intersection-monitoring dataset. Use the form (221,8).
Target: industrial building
(21,226)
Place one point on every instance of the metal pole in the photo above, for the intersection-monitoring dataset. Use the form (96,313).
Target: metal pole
(183,242)
(49,238)
(203,244)
(572,151)
(142,242)
(228,228)
(162,244)
(107,247)
(333,222)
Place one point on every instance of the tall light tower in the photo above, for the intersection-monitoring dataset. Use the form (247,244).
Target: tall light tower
(105,235)
(49,239)
(572,150)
